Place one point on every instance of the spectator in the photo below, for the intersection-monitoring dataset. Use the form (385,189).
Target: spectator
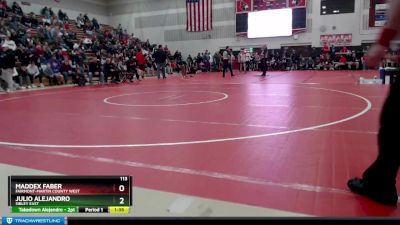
(80,20)
(54,78)
(141,61)
(33,72)
(16,9)
(3,8)
(56,68)
(95,23)
(344,50)
(95,70)
(226,57)
(310,63)
(8,63)
(242,60)
(86,18)
(66,70)
(110,70)
(160,57)
(62,16)
(342,63)
(364,62)
(24,79)
(189,61)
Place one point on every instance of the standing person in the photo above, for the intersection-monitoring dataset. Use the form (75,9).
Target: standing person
(189,61)
(160,57)
(242,60)
(264,58)
(248,59)
(226,58)
(8,63)
(256,61)
(141,61)
(379,180)
(217,59)
(183,68)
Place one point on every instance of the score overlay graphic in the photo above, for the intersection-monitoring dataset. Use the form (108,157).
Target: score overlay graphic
(70,194)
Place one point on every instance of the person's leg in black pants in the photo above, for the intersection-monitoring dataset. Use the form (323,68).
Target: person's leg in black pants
(227,65)
(106,78)
(224,67)
(264,67)
(379,180)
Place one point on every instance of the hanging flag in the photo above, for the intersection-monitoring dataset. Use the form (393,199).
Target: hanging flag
(198,15)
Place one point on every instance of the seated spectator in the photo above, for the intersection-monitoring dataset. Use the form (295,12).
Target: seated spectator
(95,70)
(62,16)
(24,79)
(54,78)
(86,18)
(310,63)
(342,63)
(33,20)
(56,68)
(51,12)
(46,16)
(95,23)
(16,9)
(87,42)
(33,72)
(66,70)
(3,8)
(110,70)
(80,78)
(344,50)
(80,20)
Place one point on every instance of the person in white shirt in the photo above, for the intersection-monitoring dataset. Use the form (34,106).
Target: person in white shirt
(33,72)
(8,63)
(242,60)
(248,59)
(227,60)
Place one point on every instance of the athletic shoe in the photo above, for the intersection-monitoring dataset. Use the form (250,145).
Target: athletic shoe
(357,186)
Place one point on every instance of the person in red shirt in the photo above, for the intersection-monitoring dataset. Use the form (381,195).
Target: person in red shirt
(342,63)
(141,62)
(326,49)
(343,59)
(3,8)
(67,26)
(344,50)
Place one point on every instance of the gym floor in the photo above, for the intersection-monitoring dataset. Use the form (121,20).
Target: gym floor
(283,145)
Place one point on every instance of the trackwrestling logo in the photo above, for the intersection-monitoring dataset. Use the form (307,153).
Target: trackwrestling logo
(33,220)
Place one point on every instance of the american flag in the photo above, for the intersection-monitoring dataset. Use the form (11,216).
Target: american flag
(198,15)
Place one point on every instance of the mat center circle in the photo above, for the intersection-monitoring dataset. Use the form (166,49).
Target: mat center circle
(165,98)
